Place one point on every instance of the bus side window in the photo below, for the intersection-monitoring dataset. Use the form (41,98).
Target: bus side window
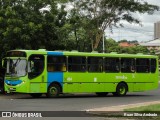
(56,63)
(127,65)
(142,65)
(95,64)
(111,65)
(76,64)
(50,68)
(63,67)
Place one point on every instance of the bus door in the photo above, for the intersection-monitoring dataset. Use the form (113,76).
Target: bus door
(37,73)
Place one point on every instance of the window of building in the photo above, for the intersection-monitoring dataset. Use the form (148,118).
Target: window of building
(127,65)
(142,65)
(95,64)
(112,65)
(76,64)
(56,63)
(153,65)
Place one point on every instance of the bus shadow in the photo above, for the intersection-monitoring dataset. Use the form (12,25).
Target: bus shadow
(85,96)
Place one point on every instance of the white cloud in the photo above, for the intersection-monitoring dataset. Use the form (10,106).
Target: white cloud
(136,32)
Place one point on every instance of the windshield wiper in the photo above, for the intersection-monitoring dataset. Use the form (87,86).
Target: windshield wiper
(16,63)
(13,71)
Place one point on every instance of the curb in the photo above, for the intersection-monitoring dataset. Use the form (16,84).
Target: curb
(120,107)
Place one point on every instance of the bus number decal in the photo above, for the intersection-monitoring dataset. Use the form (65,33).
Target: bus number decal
(95,79)
(69,79)
(121,77)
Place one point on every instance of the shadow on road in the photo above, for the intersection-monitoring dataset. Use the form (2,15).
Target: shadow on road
(65,96)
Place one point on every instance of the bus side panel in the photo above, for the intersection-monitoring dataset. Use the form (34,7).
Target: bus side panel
(154,82)
(87,82)
(54,77)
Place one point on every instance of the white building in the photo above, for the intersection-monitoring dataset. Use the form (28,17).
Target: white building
(152,45)
(157,30)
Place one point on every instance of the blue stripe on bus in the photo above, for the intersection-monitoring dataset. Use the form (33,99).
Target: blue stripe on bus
(55,77)
(13,82)
(55,53)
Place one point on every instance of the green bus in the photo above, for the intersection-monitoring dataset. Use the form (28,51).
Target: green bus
(53,73)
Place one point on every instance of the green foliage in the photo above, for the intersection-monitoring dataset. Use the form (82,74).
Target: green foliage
(25,24)
(101,14)
(113,46)
(34,24)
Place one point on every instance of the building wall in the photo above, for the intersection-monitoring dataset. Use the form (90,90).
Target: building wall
(157,30)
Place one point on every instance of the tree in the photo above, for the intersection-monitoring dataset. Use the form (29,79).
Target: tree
(25,24)
(111,45)
(102,14)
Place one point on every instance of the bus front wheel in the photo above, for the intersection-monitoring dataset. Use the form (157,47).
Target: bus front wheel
(53,91)
(121,90)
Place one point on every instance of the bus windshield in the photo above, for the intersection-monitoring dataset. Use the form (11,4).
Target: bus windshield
(16,67)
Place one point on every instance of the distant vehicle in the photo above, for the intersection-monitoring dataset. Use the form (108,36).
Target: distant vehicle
(53,73)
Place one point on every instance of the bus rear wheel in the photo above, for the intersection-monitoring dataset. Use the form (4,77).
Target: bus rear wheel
(101,94)
(53,91)
(36,95)
(121,90)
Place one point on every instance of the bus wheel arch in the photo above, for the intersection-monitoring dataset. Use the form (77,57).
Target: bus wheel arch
(54,89)
(121,89)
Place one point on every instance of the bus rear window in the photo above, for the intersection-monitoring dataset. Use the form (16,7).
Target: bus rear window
(153,65)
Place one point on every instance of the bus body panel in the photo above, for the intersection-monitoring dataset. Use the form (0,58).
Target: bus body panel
(83,81)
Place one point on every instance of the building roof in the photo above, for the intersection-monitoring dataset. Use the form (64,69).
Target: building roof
(126,44)
(155,42)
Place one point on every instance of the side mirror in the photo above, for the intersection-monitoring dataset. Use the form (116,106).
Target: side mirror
(4,62)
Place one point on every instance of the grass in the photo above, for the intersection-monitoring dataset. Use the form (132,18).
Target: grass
(150,112)
(155,107)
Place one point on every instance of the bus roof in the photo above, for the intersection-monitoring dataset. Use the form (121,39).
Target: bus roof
(76,53)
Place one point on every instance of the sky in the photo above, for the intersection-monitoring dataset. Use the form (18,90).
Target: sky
(136,32)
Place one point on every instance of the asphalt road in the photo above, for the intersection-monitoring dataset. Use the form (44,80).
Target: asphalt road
(78,102)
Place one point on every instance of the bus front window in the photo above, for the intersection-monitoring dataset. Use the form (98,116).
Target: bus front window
(15,67)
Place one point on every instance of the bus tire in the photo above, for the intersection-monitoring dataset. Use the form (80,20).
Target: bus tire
(121,90)
(53,91)
(101,94)
(36,95)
